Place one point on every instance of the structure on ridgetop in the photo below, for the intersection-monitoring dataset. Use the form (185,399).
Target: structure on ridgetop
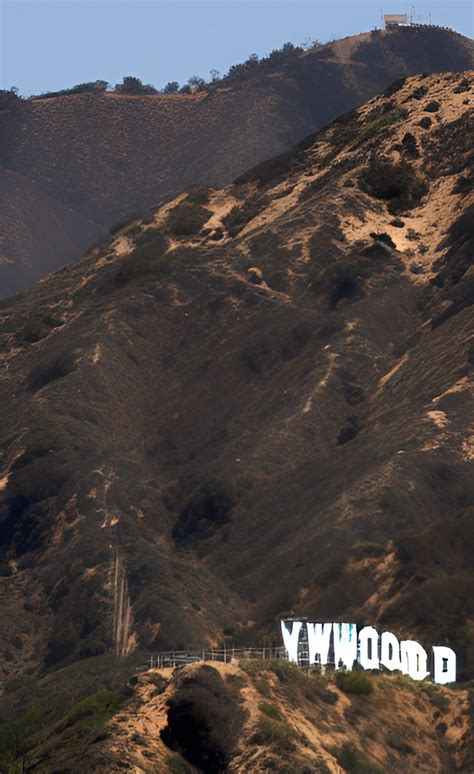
(395,19)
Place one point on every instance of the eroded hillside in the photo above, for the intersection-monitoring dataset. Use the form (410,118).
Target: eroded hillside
(252,716)
(109,156)
(255,401)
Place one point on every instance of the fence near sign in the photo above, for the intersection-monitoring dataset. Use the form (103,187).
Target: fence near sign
(174,658)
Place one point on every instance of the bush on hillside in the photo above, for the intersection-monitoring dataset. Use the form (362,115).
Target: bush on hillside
(397,183)
(432,107)
(187,218)
(410,145)
(354,761)
(355,682)
(464,85)
(198,194)
(240,215)
(278,735)
(420,92)
(270,710)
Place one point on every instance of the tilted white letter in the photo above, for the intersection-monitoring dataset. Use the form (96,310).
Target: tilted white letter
(290,639)
(319,637)
(368,633)
(414,659)
(345,644)
(390,651)
(444,665)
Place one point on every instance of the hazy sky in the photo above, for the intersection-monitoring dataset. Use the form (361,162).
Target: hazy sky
(53,45)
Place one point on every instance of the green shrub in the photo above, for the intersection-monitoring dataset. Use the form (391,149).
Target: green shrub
(464,85)
(198,195)
(382,123)
(355,682)
(150,258)
(270,710)
(395,85)
(354,761)
(95,707)
(397,183)
(263,688)
(420,92)
(316,688)
(437,697)
(410,145)
(285,671)
(187,218)
(383,237)
(432,107)
(274,733)
(241,215)
(397,741)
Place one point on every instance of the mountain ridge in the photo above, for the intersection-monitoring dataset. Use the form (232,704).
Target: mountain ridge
(111,156)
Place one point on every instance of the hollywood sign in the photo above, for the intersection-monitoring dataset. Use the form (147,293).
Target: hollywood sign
(342,645)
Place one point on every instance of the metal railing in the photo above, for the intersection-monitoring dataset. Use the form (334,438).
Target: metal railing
(174,658)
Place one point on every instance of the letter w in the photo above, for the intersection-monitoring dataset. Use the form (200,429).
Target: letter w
(319,637)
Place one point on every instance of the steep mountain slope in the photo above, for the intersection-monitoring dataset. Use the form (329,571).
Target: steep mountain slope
(254,402)
(109,156)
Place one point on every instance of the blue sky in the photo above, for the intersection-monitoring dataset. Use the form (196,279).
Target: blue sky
(53,45)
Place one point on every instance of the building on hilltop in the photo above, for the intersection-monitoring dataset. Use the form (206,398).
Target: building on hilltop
(395,20)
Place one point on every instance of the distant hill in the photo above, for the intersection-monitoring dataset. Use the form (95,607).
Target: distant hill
(253,402)
(110,156)
(36,232)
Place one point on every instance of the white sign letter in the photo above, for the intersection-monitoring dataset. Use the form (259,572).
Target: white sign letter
(444,665)
(290,639)
(319,637)
(345,644)
(414,659)
(369,655)
(390,651)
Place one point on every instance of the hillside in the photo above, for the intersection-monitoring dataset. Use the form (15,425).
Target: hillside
(253,402)
(110,156)
(252,716)
(37,232)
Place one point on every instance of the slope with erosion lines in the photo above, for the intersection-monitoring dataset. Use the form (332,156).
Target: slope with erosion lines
(257,401)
